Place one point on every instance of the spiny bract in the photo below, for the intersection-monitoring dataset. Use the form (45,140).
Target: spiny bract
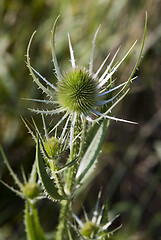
(80,91)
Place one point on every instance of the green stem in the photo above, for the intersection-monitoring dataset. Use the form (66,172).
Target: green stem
(71,173)
(57,178)
(61,233)
(70,179)
(33,228)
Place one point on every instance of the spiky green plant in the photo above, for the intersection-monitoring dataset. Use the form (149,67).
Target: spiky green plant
(85,99)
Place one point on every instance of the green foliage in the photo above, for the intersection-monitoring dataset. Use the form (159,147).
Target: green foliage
(120,163)
(32,190)
(48,184)
(33,229)
(90,157)
(51,146)
(89,229)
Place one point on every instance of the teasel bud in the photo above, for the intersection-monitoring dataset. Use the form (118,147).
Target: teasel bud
(32,190)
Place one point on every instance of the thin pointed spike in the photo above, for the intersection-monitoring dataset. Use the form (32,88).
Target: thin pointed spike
(33,174)
(50,112)
(44,79)
(114,118)
(120,120)
(103,115)
(44,126)
(39,100)
(138,61)
(85,214)
(115,88)
(95,214)
(80,223)
(23,175)
(14,176)
(115,103)
(37,130)
(100,68)
(141,51)
(111,90)
(108,86)
(54,51)
(76,137)
(72,130)
(109,223)
(61,120)
(109,100)
(116,67)
(44,89)
(12,189)
(100,215)
(93,47)
(109,66)
(71,52)
(29,129)
(65,128)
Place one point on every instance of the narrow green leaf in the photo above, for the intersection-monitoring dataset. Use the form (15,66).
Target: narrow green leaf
(10,169)
(36,80)
(53,50)
(12,189)
(90,157)
(29,129)
(140,54)
(33,174)
(47,183)
(23,175)
(68,165)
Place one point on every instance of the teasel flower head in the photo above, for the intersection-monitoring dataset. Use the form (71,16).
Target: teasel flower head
(29,189)
(80,91)
(96,227)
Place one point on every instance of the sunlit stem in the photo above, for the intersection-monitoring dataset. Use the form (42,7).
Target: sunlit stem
(75,152)
(62,227)
(56,177)
(32,224)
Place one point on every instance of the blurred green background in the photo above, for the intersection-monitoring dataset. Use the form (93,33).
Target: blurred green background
(129,169)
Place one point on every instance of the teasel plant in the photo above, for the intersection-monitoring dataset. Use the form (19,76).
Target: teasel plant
(65,161)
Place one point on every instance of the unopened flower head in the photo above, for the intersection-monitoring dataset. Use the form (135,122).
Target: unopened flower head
(80,91)
(77,91)
(96,227)
(51,146)
(32,190)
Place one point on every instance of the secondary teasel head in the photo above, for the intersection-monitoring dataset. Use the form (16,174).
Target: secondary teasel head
(97,227)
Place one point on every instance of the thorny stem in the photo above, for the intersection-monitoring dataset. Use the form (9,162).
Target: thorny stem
(70,178)
(62,227)
(56,176)
(33,228)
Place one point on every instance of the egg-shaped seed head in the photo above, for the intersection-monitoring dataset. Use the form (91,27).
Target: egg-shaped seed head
(77,91)
(32,190)
(88,229)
